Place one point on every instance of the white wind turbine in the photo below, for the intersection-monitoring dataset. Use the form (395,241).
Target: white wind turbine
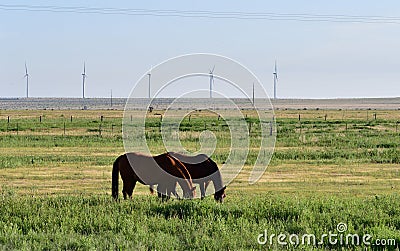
(211,80)
(275,79)
(27,80)
(83,80)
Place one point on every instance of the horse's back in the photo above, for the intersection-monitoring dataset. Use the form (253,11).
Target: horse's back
(199,166)
(145,167)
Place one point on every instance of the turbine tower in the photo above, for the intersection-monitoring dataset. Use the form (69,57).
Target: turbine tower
(275,79)
(27,80)
(149,74)
(111,101)
(211,80)
(83,80)
(253,93)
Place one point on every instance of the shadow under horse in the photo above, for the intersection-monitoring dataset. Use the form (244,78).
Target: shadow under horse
(162,169)
(203,170)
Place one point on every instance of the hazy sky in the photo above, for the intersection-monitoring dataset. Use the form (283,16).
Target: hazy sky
(315,59)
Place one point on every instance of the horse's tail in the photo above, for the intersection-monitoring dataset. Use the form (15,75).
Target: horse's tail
(151,187)
(115,176)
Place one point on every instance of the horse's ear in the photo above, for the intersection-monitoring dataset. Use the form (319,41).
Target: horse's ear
(224,188)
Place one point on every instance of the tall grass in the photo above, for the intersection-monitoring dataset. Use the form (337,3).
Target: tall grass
(144,223)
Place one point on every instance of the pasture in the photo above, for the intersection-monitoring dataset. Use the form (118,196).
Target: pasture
(329,166)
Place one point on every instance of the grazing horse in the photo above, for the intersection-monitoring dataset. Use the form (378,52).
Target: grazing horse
(150,170)
(203,170)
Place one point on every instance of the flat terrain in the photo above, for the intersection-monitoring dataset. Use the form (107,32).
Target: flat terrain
(119,103)
(329,166)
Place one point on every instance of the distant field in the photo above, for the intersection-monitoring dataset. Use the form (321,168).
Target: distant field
(329,166)
(119,103)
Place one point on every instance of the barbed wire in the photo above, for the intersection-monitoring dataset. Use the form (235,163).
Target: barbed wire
(273,16)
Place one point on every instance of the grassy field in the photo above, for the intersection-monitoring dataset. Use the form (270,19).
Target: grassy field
(328,167)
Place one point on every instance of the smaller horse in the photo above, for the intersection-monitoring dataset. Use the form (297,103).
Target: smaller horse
(150,170)
(203,170)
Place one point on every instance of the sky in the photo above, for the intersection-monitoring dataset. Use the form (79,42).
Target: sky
(315,59)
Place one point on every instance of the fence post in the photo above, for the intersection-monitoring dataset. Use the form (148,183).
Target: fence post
(112,129)
(64,128)
(17,128)
(190,117)
(270,129)
(300,128)
(326,115)
(101,118)
(100,130)
(374,116)
(299,117)
(8,123)
(71,118)
(40,118)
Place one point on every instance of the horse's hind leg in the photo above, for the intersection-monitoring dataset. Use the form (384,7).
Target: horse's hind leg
(163,192)
(128,189)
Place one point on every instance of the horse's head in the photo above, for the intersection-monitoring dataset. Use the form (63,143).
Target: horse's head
(220,195)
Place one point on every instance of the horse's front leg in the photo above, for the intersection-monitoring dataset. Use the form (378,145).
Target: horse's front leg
(162,191)
(202,189)
(173,191)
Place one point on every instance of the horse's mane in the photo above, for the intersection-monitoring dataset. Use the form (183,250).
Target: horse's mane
(182,168)
(187,159)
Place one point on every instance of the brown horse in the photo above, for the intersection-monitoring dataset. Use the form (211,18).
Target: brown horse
(203,170)
(150,170)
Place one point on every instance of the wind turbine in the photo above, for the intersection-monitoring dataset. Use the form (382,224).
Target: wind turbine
(27,80)
(275,79)
(149,74)
(211,80)
(83,80)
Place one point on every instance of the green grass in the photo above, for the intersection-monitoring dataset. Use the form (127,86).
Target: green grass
(55,184)
(97,222)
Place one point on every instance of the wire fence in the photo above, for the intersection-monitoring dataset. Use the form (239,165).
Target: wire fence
(298,123)
(61,127)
